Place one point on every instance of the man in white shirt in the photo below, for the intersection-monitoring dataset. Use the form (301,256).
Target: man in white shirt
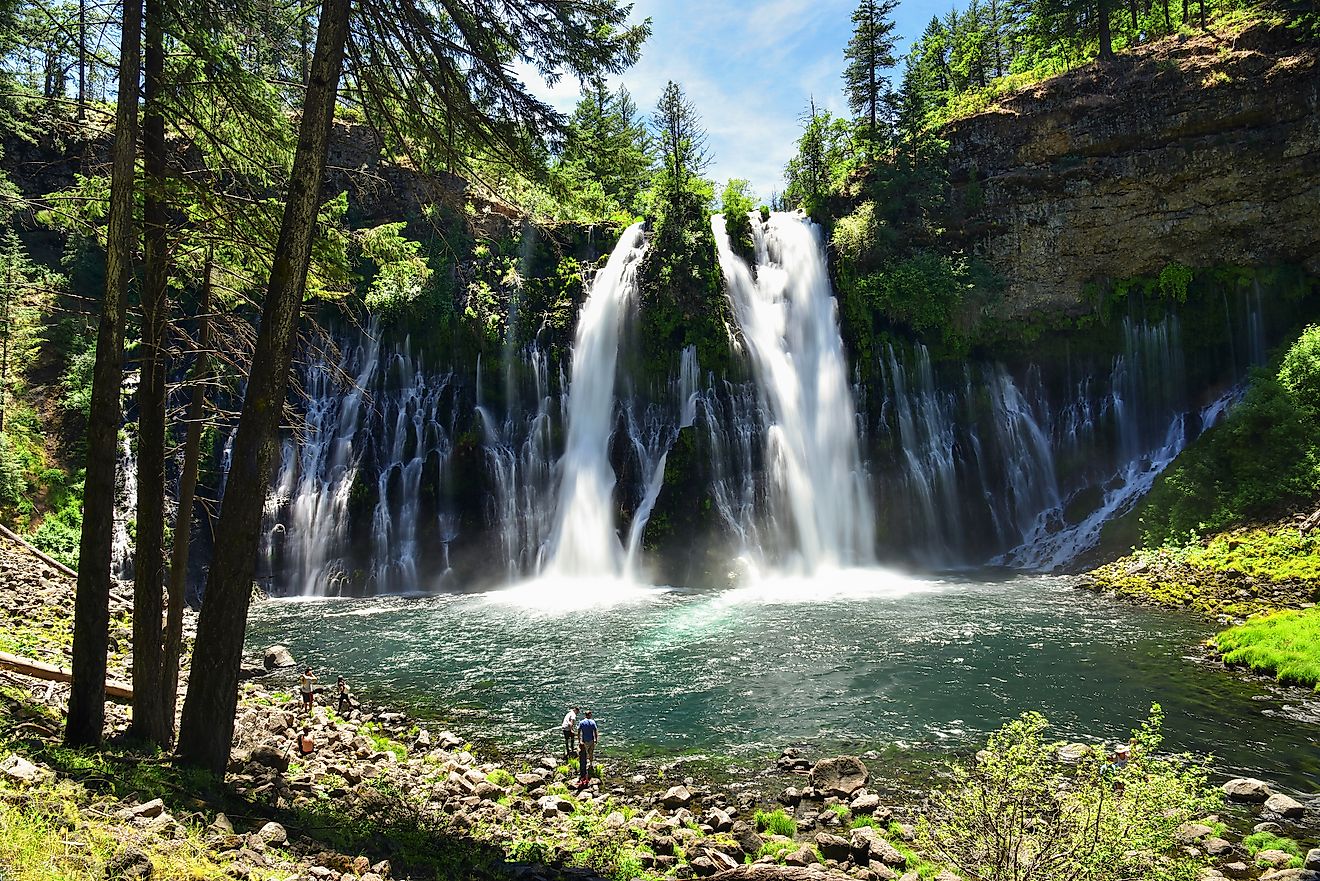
(570,732)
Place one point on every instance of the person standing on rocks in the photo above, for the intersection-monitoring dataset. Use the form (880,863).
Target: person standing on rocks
(306,683)
(589,736)
(344,700)
(570,729)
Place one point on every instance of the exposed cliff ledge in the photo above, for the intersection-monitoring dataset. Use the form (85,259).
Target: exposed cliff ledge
(1197,150)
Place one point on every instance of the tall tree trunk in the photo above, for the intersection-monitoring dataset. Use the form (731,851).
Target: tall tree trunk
(91,612)
(192,455)
(1185,12)
(1168,19)
(1136,26)
(149,721)
(1106,40)
(82,60)
(207,727)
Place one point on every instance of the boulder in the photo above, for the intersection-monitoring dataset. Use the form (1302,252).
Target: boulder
(148,809)
(1284,806)
(1247,789)
(222,825)
(270,757)
(864,803)
(803,856)
(832,847)
(723,862)
(273,835)
(676,797)
(1217,847)
(703,866)
(19,770)
(276,656)
(1275,859)
(1190,833)
(840,776)
(131,863)
(1313,859)
(719,820)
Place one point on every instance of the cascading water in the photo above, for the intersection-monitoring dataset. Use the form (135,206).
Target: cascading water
(585,542)
(357,486)
(819,500)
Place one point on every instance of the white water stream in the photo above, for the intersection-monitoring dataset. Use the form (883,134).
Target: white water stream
(819,503)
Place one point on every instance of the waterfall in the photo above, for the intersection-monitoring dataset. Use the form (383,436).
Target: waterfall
(355,494)
(125,510)
(819,501)
(585,541)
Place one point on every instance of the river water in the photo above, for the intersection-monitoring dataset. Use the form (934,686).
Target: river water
(849,660)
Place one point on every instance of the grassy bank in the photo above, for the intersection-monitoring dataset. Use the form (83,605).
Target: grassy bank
(1285,645)
(1234,574)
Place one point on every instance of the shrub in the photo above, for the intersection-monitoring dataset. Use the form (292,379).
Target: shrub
(1017,813)
(776,822)
(500,777)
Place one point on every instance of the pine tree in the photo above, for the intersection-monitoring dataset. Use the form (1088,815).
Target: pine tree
(681,140)
(870,54)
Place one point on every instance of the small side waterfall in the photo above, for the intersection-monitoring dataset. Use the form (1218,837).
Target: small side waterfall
(585,541)
(819,500)
(357,489)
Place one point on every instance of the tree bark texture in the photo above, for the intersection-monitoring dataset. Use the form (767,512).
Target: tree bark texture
(92,604)
(207,726)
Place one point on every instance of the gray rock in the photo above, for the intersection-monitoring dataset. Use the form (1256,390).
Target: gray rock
(703,866)
(803,856)
(1217,847)
(832,847)
(864,803)
(131,863)
(840,776)
(1189,833)
(149,809)
(719,820)
(1313,859)
(271,758)
(676,797)
(273,835)
(1247,789)
(1072,753)
(19,769)
(222,825)
(1284,806)
(276,656)
(1276,859)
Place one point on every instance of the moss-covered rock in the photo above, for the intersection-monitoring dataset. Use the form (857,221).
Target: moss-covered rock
(682,293)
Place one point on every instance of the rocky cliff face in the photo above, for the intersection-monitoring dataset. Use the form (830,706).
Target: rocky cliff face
(1200,150)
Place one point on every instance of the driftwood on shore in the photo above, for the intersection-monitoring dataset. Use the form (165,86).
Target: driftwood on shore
(118,691)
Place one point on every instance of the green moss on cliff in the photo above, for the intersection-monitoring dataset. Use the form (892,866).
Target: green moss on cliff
(682,291)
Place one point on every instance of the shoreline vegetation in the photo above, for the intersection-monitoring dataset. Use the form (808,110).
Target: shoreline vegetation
(385,796)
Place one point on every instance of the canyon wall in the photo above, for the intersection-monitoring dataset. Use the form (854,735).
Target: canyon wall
(1202,150)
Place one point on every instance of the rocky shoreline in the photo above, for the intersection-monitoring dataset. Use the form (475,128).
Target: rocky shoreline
(386,796)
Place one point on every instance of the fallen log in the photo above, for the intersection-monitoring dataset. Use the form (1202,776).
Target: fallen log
(117,691)
(45,558)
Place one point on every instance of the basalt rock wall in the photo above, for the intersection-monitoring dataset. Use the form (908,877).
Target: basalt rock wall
(1200,150)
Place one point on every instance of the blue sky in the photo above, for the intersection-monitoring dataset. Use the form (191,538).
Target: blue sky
(749,68)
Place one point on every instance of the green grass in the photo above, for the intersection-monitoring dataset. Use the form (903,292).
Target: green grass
(1285,645)
(1274,555)
(839,810)
(500,777)
(1263,841)
(859,822)
(776,822)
